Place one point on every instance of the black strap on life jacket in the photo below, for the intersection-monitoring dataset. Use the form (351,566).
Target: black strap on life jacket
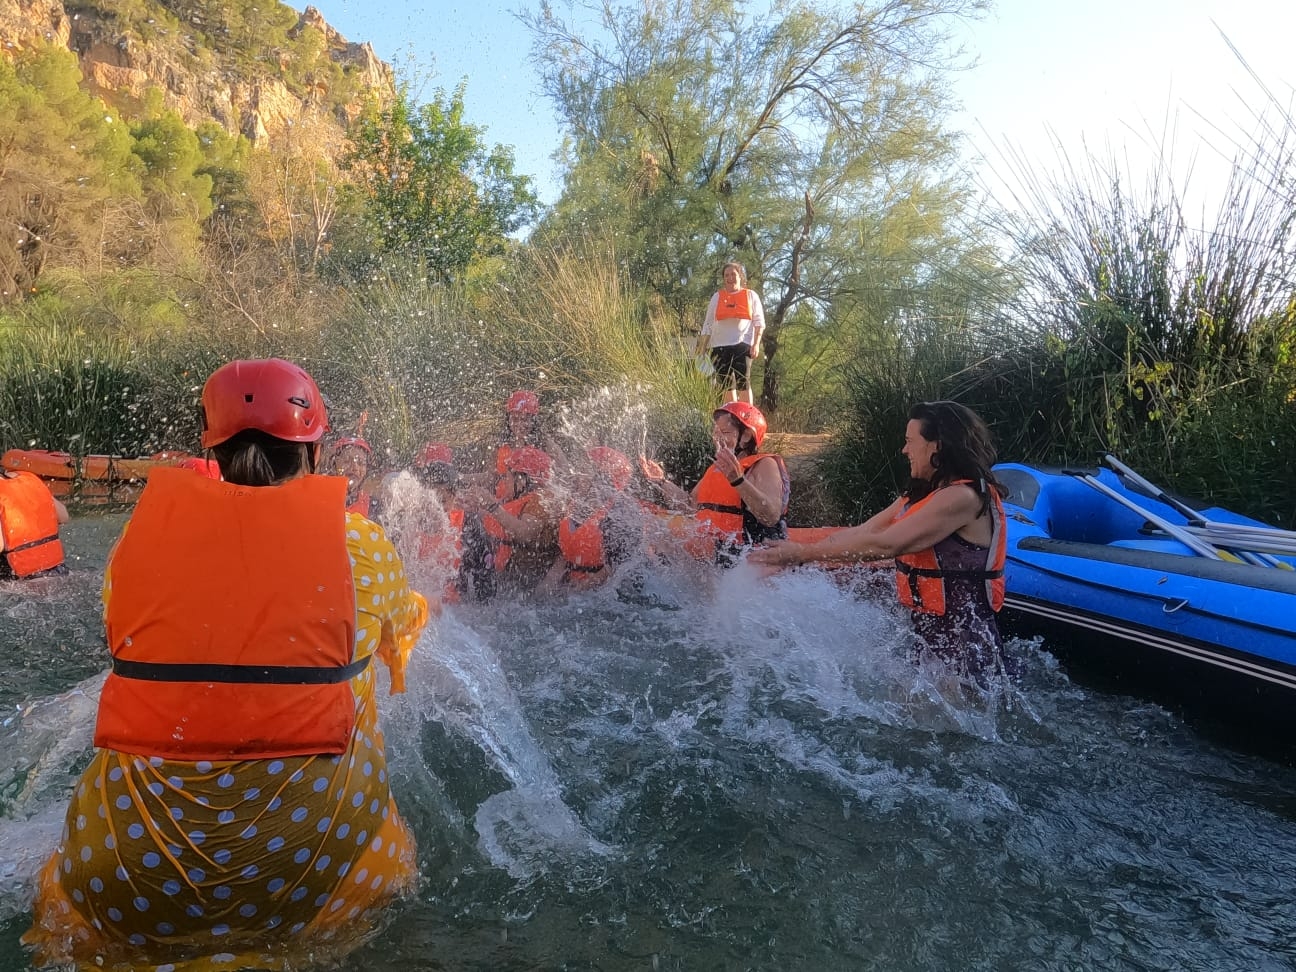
(721,508)
(239,674)
(32,543)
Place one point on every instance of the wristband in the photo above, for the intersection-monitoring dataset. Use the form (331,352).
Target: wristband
(739,481)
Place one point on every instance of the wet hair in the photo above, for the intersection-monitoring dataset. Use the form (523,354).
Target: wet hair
(255,458)
(965,449)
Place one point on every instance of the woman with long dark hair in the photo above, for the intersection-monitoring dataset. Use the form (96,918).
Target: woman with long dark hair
(945,533)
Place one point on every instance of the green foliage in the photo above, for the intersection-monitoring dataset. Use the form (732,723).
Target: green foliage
(431,191)
(1129,331)
(226,159)
(67,166)
(71,388)
(701,130)
(177,193)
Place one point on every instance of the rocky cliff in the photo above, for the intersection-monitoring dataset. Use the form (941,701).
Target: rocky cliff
(188,54)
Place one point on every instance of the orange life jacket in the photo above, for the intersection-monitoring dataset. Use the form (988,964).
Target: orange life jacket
(503,549)
(203,467)
(445,552)
(733,306)
(582,549)
(362,504)
(727,517)
(920,580)
(518,507)
(231,622)
(502,485)
(29,525)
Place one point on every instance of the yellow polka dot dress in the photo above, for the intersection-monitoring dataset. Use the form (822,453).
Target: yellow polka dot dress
(168,865)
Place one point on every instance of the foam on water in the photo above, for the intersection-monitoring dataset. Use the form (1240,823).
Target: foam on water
(41,745)
(455,679)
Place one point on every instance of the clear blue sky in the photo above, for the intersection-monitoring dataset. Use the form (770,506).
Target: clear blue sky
(1108,72)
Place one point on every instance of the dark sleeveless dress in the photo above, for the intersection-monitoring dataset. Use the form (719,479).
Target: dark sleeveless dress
(967,634)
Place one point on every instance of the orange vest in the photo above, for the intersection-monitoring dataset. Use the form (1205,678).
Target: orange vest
(582,549)
(203,467)
(496,532)
(29,525)
(444,551)
(362,503)
(231,622)
(502,454)
(722,509)
(518,507)
(733,306)
(920,581)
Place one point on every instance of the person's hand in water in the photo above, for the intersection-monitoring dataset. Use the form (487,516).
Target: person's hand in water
(776,553)
(651,469)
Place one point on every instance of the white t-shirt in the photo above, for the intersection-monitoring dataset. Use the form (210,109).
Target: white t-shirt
(734,330)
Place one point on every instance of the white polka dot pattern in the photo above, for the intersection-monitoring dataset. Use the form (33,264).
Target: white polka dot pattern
(162,856)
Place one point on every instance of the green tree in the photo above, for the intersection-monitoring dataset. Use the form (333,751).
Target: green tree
(431,190)
(64,161)
(701,130)
(177,192)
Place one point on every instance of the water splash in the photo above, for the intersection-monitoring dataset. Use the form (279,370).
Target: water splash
(42,747)
(456,680)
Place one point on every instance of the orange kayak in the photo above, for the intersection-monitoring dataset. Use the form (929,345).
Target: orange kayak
(90,479)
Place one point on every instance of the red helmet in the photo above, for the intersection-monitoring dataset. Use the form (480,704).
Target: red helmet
(350,440)
(203,467)
(530,460)
(613,464)
(748,416)
(433,452)
(524,403)
(268,394)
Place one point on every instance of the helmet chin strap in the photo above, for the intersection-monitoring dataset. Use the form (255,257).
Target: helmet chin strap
(313,450)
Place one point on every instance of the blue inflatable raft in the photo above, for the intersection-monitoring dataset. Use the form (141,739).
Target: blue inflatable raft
(1097,556)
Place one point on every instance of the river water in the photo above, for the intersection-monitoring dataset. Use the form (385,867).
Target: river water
(746,775)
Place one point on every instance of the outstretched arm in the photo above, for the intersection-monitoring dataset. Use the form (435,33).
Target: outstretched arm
(675,496)
(882,536)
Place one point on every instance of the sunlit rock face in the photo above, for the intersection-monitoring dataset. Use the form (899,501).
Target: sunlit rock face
(123,62)
(27,22)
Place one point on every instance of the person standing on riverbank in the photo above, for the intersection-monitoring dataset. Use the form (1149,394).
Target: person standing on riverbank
(29,527)
(945,532)
(237,810)
(732,330)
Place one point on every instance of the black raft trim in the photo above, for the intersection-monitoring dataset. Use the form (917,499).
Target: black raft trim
(239,674)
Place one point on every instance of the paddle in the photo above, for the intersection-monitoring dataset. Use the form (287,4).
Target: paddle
(1252,541)
(1219,532)
(1195,544)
